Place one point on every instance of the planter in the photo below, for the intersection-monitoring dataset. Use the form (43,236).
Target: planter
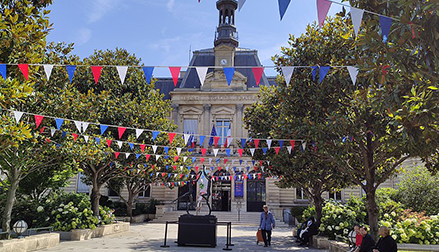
(30,243)
(418,247)
(137,219)
(335,246)
(86,234)
(320,242)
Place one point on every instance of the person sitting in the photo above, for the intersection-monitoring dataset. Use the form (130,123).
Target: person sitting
(386,243)
(310,231)
(368,243)
(303,227)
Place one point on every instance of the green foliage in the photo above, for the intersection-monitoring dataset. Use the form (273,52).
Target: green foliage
(297,212)
(419,191)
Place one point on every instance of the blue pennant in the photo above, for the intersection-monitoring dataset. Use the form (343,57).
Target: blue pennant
(217,161)
(155,134)
(59,123)
(281,143)
(283,6)
(248,168)
(63,134)
(189,168)
(167,167)
(138,155)
(3,70)
(240,162)
(190,150)
(229,72)
(58,145)
(98,140)
(202,140)
(166,148)
(131,146)
(166,157)
(234,168)
(253,162)
(314,72)
(243,141)
(228,152)
(193,160)
(264,150)
(103,129)
(71,72)
(323,72)
(386,23)
(148,73)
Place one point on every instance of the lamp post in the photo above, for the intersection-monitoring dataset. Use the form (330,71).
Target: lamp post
(19,228)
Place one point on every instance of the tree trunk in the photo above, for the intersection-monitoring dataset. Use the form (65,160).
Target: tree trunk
(318,201)
(95,196)
(372,212)
(6,219)
(129,203)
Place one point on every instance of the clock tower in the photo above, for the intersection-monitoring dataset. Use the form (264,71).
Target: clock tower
(226,37)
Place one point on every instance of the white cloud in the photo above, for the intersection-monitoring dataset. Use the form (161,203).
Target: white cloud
(170,5)
(84,35)
(98,9)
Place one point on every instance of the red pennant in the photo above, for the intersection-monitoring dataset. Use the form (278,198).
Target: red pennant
(47,140)
(38,119)
(240,152)
(181,175)
(260,163)
(202,160)
(175,72)
(163,174)
(258,72)
(142,147)
(259,176)
(225,160)
(116,154)
(219,168)
(256,143)
(152,166)
(292,142)
(96,72)
(171,137)
(175,167)
(196,169)
(75,136)
(147,157)
(109,143)
(42,130)
(121,131)
(256,168)
(277,149)
(24,68)
(175,158)
(204,152)
(230,177)
(216,140)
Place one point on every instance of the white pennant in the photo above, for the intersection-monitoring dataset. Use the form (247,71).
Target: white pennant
(84,126)
(157,157)
(122,70)
(288,73)
(175,175)
(303,145)
(353,72)
(215,152)
(233,161)
(268,162)
(178,151)
(184,159)
(210,160)
(48,70)
(245,163)
(139,132)
(186,138)
(154,148)
(86,139)
(78,126)
(289,148)
(127,155)
(52,132)
(119,143)
(18,116)
(252,151)
(241,3)
(202,71)
(357,17)
(229,141)
(269,143)
(181,168)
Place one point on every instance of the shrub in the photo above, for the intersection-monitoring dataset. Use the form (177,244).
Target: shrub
(297,212)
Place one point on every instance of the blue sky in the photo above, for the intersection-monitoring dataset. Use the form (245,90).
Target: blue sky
(162,31)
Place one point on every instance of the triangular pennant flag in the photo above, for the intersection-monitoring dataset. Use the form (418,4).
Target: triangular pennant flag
(202,72)
(240,4)
(264,150)
(48,70)
(75,136)
(148,73)
(186,138)
(103,129)
(386,23)
(203,151)
(142,147)
(178,151)
(201,160)
(38,119)
(98,140)
(116,154)
(216,140)
(289,148)
(84,126)
(119,143)
(175,72)
(154,148)
(52,132)
(193,159)
(97,70)
(3,70)
(323,72)
(252,151)
(281,143)
(59,123)
(215,152)
(131,146)
(139,132)
(108,143)
(357,17)
(229,141)
(18,115)
(229,72)
(228,152)
(303,145)
(269,141)
(171,137)
(71,72)
(166,149)
(63,132)
(86,138)
(121,130)
(353,72)
(147,157)
(24,68)
(157,157)
(277,149)
(258,72)
(283,6)
(155,134)
(78,125)
(314,72)
(288,73)
(175,158)
(240,152)
(256,142)
(138,155)
(323,7)
(292,142)
(202,140)
(122,71)
(243,141)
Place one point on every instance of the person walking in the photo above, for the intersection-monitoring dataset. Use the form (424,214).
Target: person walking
(267,224)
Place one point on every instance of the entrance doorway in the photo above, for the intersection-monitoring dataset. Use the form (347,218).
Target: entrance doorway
(221,192)
(255,194)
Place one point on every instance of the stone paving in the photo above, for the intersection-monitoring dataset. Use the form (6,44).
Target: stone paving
(149,237)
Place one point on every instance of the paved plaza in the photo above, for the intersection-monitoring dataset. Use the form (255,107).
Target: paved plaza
(149,237)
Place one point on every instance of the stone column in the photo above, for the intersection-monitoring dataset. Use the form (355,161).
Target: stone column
(206,132)
(239,121)
(175,110)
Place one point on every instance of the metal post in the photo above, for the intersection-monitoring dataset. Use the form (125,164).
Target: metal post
(166,234)
(228,237)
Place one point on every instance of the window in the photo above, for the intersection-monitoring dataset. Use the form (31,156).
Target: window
(300,194)
(222,130)
(146,193)
(190,126)
(335,195)
(81,186)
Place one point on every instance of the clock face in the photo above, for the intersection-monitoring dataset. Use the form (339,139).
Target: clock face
(223,62)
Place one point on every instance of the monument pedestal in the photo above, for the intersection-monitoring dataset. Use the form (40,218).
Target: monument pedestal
(196,230)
